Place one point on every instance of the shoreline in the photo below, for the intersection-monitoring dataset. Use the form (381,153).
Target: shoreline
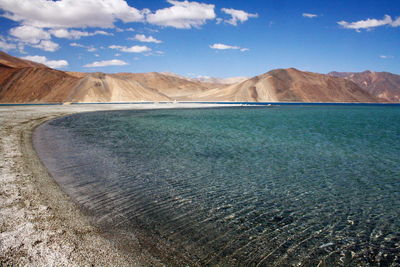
(39,223)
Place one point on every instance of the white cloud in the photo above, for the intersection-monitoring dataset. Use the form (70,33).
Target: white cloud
(35,37)
(386,57)
(77,45)
(155,53)
(143,38)
(101,33)
(182,15)
(132,49)
(29,34)
(124,30)
(309,15)
(70,13)
(50,63)
(75,34)
(226,47)
(237,15)
(396,23)
(4,45)
(370,23)
(47,45)
(89,48)
(105,63)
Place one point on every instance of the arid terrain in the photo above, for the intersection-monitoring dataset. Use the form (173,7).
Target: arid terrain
(23,81)
(384,85)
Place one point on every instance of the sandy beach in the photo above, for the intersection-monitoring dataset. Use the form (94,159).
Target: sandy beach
(39,224)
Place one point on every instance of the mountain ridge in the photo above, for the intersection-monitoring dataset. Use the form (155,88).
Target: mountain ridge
(291,85)
(384,85)
(23,81)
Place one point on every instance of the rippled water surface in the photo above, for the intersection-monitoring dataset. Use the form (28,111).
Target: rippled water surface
(238,186)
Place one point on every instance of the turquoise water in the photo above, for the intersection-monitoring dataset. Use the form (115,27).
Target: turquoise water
(285,186)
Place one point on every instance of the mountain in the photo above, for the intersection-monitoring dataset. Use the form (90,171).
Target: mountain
(14,62)
(23,81)
(174,86)
(212,81)
(290,85)
(101,87)
(384,85)
(230,80)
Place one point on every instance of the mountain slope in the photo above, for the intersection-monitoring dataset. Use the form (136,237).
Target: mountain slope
(23,81)
(384,85)
(177,88)
(290,85)
(22,85)
(14,62)
(100,87)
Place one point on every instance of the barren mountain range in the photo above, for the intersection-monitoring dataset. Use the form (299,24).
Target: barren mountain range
(384,85)
(23,81)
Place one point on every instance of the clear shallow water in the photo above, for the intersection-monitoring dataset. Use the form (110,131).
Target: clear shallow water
(238,186)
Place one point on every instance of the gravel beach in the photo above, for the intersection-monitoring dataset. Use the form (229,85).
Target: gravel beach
(39,224)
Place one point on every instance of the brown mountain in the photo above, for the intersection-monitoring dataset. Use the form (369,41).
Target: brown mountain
(23,81)
(384,85)
(290,85)
(101,87)
(175,87)
(24,85)
(14,62)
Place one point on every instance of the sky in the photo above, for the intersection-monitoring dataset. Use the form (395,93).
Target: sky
(213,38)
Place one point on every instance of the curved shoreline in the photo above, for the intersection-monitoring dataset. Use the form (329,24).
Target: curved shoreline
(38,222)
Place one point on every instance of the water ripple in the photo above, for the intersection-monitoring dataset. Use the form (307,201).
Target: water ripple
(315,186)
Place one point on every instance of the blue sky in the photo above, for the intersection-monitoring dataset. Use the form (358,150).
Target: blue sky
(204,38)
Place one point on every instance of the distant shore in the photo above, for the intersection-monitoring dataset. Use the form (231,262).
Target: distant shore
(39,224)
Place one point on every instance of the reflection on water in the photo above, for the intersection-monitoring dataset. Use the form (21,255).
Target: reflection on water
(239,186)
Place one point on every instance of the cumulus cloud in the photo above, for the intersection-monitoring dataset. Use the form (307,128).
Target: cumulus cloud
(4,45)
(29,34)
(35,37)
(226,47)
(370,23)
(47,45)
(309,15)
(182,15)
(49,63)
(144,39)
(132,49)
(70,13)
(386,57)
(105,63)
(75,34)
(237,16)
